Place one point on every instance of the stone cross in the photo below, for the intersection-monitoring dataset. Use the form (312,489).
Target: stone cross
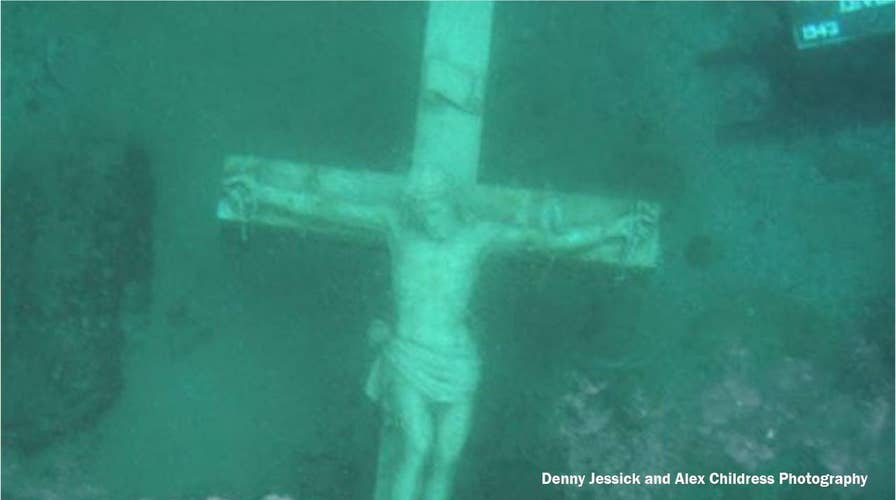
(433,276)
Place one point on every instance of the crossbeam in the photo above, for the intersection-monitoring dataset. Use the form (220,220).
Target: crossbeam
(448,135)
(291,195)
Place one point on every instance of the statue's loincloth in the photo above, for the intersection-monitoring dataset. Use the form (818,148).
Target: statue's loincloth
(442,374)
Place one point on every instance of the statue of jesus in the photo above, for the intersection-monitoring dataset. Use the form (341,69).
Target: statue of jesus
(427,367)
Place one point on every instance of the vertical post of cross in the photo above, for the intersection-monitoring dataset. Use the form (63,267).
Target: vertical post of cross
(452,90)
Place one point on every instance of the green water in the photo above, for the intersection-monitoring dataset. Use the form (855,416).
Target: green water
(762,343)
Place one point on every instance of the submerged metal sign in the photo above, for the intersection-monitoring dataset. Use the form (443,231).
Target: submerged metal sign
(824,23)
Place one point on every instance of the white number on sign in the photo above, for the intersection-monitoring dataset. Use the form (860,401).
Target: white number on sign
(825,29)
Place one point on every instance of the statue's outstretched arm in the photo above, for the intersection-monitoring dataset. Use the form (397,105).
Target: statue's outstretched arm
(629,230)
(248,200)
(367,215)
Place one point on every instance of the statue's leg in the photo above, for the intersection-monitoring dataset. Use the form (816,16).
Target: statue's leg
(414,434)
(452,429)
(390,437)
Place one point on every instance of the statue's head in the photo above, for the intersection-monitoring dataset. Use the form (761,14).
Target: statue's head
(432,204)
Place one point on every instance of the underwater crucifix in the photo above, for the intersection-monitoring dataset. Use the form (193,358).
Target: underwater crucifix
(438,223)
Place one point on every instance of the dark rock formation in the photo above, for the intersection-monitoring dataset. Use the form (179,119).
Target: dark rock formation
(76,236)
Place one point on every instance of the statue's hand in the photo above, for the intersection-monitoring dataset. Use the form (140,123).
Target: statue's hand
(240,191)
(635,227)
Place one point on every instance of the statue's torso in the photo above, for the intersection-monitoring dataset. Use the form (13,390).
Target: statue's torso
(433,281)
